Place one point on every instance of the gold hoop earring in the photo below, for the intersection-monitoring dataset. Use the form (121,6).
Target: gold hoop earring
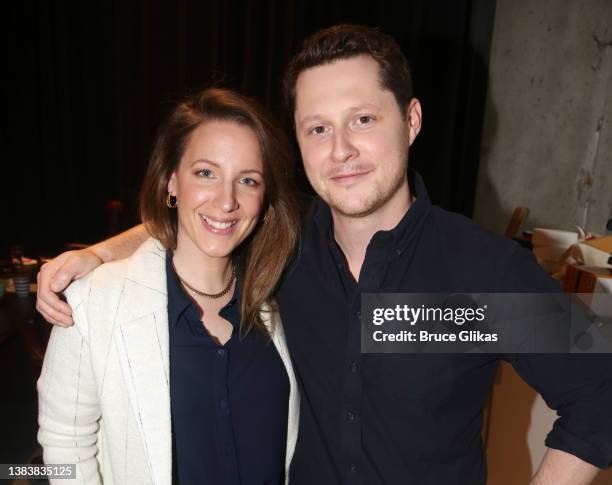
(171,201)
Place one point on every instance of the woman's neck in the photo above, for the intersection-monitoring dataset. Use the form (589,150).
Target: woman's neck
(203,272)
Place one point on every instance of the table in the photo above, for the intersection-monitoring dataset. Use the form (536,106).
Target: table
(16,312)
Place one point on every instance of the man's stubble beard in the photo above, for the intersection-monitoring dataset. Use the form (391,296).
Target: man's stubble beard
(372,202)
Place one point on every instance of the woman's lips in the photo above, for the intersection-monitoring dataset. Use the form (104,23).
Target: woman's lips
(218,227)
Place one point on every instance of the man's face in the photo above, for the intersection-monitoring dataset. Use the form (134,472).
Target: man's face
(353,137)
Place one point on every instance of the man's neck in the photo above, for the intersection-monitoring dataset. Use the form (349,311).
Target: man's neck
(353,234)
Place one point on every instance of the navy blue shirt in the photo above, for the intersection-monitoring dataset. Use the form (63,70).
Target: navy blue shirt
(399,419)
(229,402)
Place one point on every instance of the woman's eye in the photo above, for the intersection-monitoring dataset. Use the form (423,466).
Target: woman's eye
(249,181)
(205,173)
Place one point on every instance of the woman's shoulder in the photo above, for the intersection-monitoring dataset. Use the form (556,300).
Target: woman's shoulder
(100,281)
(105,282)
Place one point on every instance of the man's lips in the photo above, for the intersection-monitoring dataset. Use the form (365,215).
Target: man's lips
(349,177)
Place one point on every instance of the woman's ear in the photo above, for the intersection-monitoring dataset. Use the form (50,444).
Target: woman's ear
(172,184)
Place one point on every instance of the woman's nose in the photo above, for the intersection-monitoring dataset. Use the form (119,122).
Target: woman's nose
(226,199)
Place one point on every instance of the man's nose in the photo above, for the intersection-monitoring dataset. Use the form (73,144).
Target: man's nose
(343,149)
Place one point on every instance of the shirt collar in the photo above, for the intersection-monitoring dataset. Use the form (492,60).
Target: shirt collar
(179,301)
(400,235)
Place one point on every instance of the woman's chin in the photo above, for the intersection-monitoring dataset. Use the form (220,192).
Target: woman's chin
(219,251)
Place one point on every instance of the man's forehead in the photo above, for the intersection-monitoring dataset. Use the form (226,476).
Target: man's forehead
(346,82)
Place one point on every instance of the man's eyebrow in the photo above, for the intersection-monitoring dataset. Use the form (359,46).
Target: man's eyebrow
(308,118)
(351,109)
(361,106)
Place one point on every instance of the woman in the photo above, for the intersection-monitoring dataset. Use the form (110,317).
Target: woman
(168,374)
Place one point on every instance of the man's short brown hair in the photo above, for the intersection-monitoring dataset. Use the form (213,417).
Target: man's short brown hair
(346,41)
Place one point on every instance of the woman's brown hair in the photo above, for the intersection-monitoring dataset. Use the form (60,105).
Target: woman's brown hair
(265,253)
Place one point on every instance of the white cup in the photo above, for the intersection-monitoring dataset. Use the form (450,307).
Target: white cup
(553,237)
(549,253)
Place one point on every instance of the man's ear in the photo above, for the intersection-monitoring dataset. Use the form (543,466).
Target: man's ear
(172,184)
(413,119)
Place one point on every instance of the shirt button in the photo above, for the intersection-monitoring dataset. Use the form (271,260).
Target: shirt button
(354,367)
(353,468)
(221,352)
(350,417)
(398,252)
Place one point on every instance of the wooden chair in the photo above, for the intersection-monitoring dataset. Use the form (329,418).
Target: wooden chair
(518,216)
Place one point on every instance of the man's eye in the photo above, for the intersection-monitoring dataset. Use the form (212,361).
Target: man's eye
(364,119)
(205,173)
(318,130)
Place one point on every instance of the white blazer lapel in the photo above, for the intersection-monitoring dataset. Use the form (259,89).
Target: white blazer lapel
(274,325)
(142,342)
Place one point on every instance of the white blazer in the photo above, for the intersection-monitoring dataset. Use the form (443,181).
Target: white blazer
(104,395)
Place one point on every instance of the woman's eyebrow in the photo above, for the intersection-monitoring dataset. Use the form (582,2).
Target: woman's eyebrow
(205,160)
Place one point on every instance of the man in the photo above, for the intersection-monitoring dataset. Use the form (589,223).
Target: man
(385,418)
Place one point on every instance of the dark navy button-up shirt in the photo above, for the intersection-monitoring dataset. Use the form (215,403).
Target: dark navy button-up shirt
(229,403)
(402,419)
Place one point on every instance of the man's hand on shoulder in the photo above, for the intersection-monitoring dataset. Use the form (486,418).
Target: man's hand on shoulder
(55,276)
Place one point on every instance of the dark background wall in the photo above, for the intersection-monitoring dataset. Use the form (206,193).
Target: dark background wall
(87,83)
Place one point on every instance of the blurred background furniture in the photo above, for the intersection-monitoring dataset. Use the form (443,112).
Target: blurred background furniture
(518,216)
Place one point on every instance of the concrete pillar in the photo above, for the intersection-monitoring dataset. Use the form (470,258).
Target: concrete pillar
(547,141)
(547,145)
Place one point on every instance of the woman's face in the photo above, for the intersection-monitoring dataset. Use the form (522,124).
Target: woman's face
(219,189)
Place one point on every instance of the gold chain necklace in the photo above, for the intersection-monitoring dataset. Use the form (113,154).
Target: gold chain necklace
(208,295)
